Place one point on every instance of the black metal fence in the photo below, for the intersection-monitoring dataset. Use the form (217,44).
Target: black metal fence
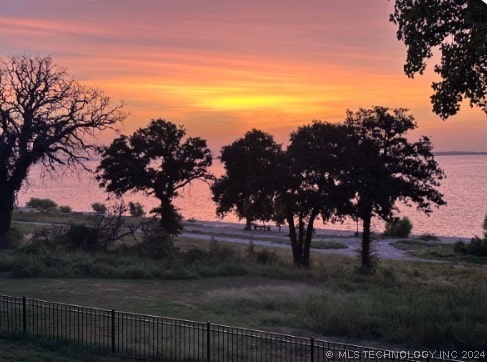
(157,338)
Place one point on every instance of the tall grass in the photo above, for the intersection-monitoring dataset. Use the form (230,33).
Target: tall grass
(409,305)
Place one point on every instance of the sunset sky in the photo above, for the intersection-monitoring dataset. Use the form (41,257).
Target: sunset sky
(222,67)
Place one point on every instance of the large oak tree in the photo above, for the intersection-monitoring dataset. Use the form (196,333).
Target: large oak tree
(158,160)
(386,167)
(251,172)
(46,117)
(314,183)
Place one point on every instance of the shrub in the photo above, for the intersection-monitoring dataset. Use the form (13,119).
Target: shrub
(156,242)
(41,204)
(99,207)
(82,237)
(398,227)
(65,209)
(428,237)
(14,237)
(136,209)
(48,236)
(266,256)
(219,252)
(460,247)
(476,247)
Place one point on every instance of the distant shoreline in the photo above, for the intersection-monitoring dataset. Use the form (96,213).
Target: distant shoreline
(459,153)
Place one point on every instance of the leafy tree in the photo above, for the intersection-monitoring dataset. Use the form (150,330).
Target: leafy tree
(314,183)
(99,208)
(249,181)
(41,204)
(387,167)
(459,29)
(45,117)
(65,209)
(136,209)
(159,161)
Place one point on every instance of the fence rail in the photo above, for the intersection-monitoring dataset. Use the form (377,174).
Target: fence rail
(158,338)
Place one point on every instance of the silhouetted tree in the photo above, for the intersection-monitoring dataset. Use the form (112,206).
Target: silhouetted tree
(459,29)
(41,204)
(136,209)
(314,183)
(99,207)
(387,168)
(248,185)
(45,117)
(159,161)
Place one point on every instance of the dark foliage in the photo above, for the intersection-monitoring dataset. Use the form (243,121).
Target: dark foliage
(158,160)
(313,183)
(476,246)
(136,209)
(387,168)
(459,29)
(398,227)
(99,207)
(251,173)
(41,204)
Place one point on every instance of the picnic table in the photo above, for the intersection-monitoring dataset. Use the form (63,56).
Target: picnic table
(261,227)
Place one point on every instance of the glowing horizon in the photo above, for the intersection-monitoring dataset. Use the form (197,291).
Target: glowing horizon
(221,68)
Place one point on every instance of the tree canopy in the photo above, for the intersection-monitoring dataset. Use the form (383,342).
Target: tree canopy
(459,29)
(251,170)
(386,167)
(158,160)
(46,117)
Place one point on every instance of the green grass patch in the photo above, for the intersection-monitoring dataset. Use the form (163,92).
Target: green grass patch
(435,250)
(447,253)
(415,244)
(328,244)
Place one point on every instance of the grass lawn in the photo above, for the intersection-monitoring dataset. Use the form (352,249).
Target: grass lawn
(403,304)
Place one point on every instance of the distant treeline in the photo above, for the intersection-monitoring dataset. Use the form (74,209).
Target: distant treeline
(459,153)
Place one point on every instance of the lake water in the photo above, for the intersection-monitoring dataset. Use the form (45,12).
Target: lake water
(465,190)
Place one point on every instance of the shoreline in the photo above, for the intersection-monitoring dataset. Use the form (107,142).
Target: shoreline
(234,227)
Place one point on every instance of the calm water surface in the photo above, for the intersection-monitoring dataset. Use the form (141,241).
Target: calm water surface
(465,190)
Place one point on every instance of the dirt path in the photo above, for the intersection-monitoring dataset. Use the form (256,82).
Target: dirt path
(230,232)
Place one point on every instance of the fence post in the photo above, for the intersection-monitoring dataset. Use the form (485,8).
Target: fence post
(208,354)
(113,330)
(24,315)
(312,345)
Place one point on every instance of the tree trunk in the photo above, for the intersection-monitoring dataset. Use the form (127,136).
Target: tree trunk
(248,223)
(301,241)
(170,218)
(307,241)
(295,246)
(6,208)
(366,259)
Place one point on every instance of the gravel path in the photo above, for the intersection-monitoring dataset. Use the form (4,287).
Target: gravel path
(232,232)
